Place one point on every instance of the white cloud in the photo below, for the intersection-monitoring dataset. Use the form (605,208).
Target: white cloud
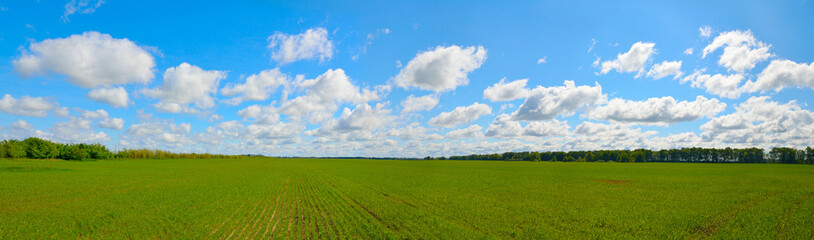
(81,7)
(362,118)
(324,93)
(657,111)
(631,61)
(186,84)
(92,115)
(279,130)
(252,111)
(664,69)
(77,130)
(156,128)
(504,127)
(62,112)
(156,134)
(741,50)
(503,91)
(416,104)
(542,60)
(461,115)
(441,69)
(257,87)
(411,131)
(473,131)
(546,103)
(605,130)
(26,106)
(722,85)
(311,44)
(112,123)
(116,96)
(546,128)
(759,122)
(705,31)
(783,74)
(89,60)
(688,51)
(263,115)
(22,124)
(591,135)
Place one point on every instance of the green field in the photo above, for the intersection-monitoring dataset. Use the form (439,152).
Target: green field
(322,198)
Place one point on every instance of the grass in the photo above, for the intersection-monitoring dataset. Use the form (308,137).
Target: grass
(324,198)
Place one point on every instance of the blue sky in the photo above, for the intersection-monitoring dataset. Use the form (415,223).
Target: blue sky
(407,79)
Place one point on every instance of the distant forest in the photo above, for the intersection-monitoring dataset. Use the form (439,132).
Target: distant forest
(707,155)
(37,148)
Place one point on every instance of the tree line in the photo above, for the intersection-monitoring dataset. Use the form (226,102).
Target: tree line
(37,148)
(710,155)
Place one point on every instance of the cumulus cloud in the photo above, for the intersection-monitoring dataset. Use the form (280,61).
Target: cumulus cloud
(62,112)
(93,115)
(546,103)
(257,87)
(546,128)
(26,106)
(409,132)
(664,69)
(116,97)
(763,123)
(783,74)
(112,123)
(88,60)
(473,131)
(592,135)
(156,128)
(324,93)
(362,118)
(441,69)
(157,134)
(504,127)
(263,115)
(542,60)
(741,50)
(22,124)
(279,130)
(311,44)
(77,130)
(631,61)
(657,111)
(503,91)
(461,115)
(416,104)
(722,85)
(186,84)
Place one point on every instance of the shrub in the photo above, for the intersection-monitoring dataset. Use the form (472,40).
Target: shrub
(73,152)
(96,151)
(38,148)
(13,148)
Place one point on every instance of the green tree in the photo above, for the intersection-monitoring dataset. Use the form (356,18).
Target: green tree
(14,148)
(40,149)
(73,152)
(622,157)
(637,156)
(590,157)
